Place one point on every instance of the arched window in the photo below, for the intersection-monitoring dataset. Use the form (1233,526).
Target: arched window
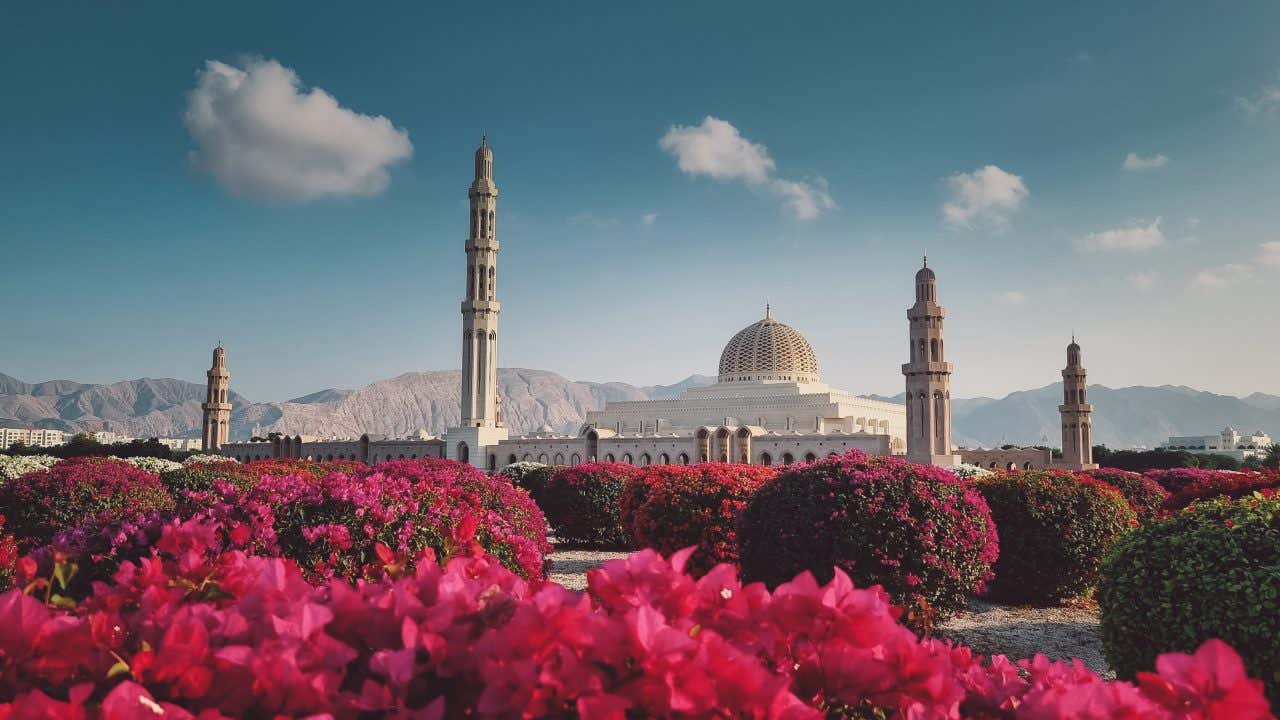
(471,281)
(1011,466)
(493,463)
(482,276)
(463,453)
(810,457)
(559,459)
(766,459)
(644,460)
(626,458)
(664,459)
(511,459)
(923,356)
(993,466)
(492,290)
(1081,396)
(684,459)
(933,351)
(491,223)
(608,457)
(542,458)
(575,459)
(1026,466)
(330,457)
(788,458)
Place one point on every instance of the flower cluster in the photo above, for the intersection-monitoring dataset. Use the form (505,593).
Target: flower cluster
(153,464)
(669,507)
(13,467)
(1175,479)
(581,503)
(1145,495)
(224,636)
(529,476)
(917,530)
(1209,571)
(1218,483)
(965,471)
(199,459)
(1055,528)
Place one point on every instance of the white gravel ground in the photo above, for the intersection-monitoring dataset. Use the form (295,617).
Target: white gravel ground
(1062,633)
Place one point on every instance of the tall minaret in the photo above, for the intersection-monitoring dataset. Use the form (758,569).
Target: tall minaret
(215,429)
(480,424)
(928,378)
(1076,413)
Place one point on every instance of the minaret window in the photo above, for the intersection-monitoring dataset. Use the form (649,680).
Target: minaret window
(933,351)
(471,282)
(491,223)
(492,289)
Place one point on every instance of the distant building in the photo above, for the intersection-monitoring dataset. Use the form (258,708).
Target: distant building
(1228,442)
(30,437)
(181,444)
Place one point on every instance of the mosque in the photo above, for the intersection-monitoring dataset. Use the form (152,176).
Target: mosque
(769,405)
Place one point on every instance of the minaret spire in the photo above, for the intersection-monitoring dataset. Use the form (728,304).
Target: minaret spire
(480,424)
(216,408)
(1076,413)
(928,377)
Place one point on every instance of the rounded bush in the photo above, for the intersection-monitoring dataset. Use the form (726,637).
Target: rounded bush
(1208,572)
(917,530)
(15,466)
(333,525)
(529,476)
(581,503)
(1055,528)
(1175,479)
(697,505)
(201,478)
(41,504)
(1145,495)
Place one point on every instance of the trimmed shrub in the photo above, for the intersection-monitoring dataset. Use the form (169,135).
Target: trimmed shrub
(581,503)
(1211,571)
(1145,495)
(529,476)
(201,459)
(1175,479)
(15,466)
(201,478)
(917,530)
(314,469)
(691,505)
(152,464)
(1055,528)
(1224,484)
(40,504)
(333,525)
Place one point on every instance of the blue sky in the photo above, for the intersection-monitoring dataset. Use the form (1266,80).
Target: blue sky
(329,254)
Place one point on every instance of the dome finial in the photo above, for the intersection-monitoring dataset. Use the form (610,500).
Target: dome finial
(768,310)
(926,261)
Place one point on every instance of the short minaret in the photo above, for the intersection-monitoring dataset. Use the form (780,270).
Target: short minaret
(1076,414)
(928,377)
(215,429)
(481,415)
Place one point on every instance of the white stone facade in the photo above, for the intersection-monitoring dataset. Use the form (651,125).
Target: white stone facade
(1230,442)
(30,437)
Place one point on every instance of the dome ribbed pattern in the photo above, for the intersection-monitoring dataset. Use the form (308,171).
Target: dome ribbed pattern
(768,347)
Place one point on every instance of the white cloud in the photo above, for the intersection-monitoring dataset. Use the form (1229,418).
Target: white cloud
(1221,276)
(1144,280)
(1133,238)
(1011,297)
(262,135)
(987,194)
(1265,101)
(717,150)
(1134,162)
(1269,254)
(649,218)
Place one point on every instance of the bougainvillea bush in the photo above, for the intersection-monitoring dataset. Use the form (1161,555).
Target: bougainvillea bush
(15,466)
(201,459)
(230,636)
(153,464)
(1055,528)
(1224,484)
(188,484)
(43,503)
(581,503)
(1211,570)
(694,505)
(332,522)
(1175,479)
(1145,495)
(917,530)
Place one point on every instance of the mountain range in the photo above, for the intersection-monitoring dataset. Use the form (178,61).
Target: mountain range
(533,399)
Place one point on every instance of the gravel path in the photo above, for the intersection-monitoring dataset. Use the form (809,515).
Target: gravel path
(1062,633)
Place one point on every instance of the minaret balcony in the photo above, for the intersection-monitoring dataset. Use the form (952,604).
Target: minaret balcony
(921,368)
(484,306)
